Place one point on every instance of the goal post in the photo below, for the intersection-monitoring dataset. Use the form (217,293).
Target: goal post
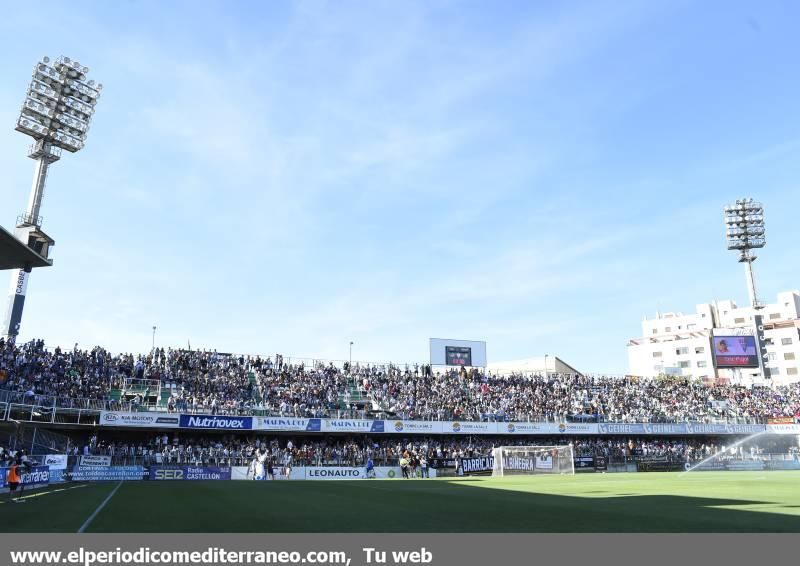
(528,460)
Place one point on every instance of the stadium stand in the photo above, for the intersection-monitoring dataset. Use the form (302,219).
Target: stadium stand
(209,382)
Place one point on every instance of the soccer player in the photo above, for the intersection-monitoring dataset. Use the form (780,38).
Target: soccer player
(370,467)
(261,458)
(287,462)
(24,465)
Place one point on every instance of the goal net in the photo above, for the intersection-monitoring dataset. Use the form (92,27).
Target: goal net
(527,460)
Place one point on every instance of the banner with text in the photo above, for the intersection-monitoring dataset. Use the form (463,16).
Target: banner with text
(216,422)
(547,428)
(397,426)
(35,475)
(413,427)
(56,461)
(323,473)
(584,464)
(335,473)
(143,419)
(784,428)
(111,473)
(348,425)
(192,473)
(350,473)
(469,427)
(480,465)
(678,428)
(101,461)
(288,424)
(245,473)
(783,420)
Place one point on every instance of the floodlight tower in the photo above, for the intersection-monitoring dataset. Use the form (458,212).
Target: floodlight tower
(744,222)
(56,113)
(745,232)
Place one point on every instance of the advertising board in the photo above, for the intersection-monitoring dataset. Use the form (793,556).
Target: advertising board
(479,465)
(397,426)
(784,429)
(352,425)
(33,476)
(188,473)
(324,473)
(584,464)
(468,427)
(141,419)
(55,461)
(88,460)
(782,420)
(659,466)
(216,422)
(36,475)
(110,473)
(547,428)
(288,424)
(413,427)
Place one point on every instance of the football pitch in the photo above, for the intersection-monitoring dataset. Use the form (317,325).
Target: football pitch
(636,502)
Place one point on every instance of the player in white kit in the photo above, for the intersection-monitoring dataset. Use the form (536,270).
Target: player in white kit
(261,468)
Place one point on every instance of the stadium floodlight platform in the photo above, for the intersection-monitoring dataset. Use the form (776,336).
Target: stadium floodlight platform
(15,254)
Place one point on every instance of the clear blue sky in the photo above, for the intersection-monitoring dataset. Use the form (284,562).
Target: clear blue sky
(290,176)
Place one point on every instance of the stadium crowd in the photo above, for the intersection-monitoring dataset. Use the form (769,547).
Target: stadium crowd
(355,451)
(199,381)
(39,374)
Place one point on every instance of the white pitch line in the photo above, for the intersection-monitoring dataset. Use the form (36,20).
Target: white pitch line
(41,493)
(99,508)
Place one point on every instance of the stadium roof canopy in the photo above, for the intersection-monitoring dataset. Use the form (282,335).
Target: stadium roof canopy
(14,254)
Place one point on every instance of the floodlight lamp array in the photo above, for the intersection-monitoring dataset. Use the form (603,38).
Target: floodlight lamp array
(59,104)
(744,222)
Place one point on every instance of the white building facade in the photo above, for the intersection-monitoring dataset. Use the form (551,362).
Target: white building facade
(678,344)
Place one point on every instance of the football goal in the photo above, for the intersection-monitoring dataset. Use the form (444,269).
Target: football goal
(527,460)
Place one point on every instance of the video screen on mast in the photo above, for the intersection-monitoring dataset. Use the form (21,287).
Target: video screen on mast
(735,351)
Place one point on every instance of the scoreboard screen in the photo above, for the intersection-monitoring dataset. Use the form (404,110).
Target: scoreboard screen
(458,353)
(458,356)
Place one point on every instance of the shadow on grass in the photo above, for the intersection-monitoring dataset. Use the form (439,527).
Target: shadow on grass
(418,506)
(385,506)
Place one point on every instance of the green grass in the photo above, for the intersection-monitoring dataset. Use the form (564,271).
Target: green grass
(644,502)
